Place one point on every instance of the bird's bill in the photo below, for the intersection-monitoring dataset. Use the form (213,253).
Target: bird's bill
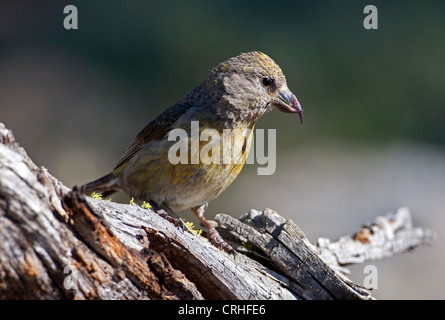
(285,101)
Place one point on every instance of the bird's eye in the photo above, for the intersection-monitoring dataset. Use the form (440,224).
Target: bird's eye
(267,81)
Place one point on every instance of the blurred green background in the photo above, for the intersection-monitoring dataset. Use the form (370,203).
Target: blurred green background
(374,101)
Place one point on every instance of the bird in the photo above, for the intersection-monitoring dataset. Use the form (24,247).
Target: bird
(233,96)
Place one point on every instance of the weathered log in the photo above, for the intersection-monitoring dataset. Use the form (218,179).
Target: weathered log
(58,244)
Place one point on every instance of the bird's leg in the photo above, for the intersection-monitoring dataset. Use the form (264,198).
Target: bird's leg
(168,214)
(213,235)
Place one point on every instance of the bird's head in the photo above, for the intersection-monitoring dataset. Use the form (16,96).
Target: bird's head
(250,85)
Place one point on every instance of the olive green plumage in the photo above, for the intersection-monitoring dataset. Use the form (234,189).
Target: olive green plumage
(234,95)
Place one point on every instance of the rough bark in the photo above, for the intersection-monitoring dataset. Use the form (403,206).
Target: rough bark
(58,244)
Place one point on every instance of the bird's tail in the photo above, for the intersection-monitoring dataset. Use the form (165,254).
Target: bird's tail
(106,185)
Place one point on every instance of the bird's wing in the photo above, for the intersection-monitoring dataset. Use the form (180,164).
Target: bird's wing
(155,130)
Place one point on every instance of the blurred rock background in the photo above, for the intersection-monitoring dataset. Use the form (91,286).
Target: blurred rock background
(373,137)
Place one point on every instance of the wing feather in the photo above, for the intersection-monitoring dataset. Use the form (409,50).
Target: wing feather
(155,130)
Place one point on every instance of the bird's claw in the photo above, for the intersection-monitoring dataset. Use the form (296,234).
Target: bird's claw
(217,241)
(178,223)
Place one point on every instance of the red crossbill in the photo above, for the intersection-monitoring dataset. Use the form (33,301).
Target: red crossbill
(234,96)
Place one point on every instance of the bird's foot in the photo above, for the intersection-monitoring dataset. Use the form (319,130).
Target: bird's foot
(177,222)
(213,235)
(217,241)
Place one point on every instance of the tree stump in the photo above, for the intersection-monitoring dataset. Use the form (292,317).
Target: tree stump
(58,244)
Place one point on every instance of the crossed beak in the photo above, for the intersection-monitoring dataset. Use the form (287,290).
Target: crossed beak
(285,101)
